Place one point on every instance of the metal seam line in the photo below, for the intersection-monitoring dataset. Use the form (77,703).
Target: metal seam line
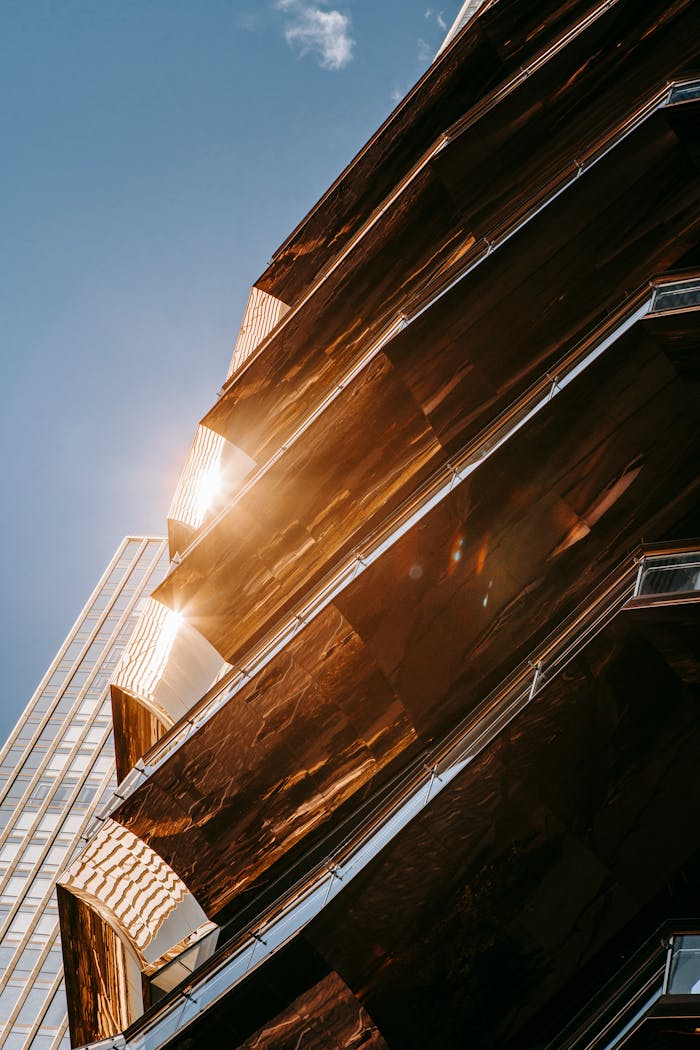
(357,562)
(458,754)
(659,100)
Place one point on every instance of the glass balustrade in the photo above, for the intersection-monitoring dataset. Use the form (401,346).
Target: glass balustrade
(683,968)
(223,958)
(670,574)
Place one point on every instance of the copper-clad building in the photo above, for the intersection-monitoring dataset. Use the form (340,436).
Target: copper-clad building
(408,736)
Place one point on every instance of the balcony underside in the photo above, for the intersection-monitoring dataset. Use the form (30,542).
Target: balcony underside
(427,631)
(669,1025)
(481,184)
(136,730)
(504,40)
(504,906)
(442,381)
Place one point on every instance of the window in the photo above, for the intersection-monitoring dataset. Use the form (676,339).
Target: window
(27,961)
(14,888)
(55,856)
(80,763)
(39,888)
(42,1041)
(46,923)
(9,851)
(23,822)
(72,823)
(32,1006)
(21,922)
(8,999)
(40,790)
(32,854)
(65,789)
(58,760)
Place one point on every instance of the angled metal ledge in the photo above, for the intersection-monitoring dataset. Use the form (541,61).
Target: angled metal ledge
(403,801)
(429,495)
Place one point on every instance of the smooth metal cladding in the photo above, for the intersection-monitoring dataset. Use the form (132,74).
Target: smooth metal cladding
(56,769)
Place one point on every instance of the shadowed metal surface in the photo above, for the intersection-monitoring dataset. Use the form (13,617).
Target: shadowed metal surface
(450,372)
(510,549)
(524,871)
(455,207)
(504,39)
(487,317)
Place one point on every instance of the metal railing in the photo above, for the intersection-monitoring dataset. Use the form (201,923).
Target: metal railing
(640,304)
(204,982)
(667,964)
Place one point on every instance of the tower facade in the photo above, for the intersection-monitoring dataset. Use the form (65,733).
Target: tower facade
(407,736)
(56,769)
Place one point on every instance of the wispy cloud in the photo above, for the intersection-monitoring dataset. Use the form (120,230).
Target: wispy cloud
(313,30)
(437,25)
(426,51)
(436,16)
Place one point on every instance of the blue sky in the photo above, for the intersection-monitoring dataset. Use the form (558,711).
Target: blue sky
(155,153)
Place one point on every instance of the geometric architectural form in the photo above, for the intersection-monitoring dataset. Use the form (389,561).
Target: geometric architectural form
(164,669)
(136,891)
(56,770)
(263,313)
(214,469)
(468,11)
(456,589)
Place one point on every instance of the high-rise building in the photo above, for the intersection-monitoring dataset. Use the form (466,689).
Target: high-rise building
(56,769)
(407,737)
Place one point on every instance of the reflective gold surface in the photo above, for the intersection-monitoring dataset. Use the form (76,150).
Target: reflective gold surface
(102,978)
(577,824)
(136,729)
(462,362)
(315,727)
(431,627)
(521,872)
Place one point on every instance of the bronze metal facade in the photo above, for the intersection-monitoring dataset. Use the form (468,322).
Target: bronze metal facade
(436,768)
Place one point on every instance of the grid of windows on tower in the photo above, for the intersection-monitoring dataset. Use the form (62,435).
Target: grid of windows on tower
(56,769)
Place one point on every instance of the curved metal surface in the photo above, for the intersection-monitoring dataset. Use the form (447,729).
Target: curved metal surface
(421,786)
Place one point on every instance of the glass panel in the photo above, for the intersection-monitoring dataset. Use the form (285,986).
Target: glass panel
(676,299)
(42,1041)
(46,923)
(14,887)
(32,1006)
(31,854)
(40,790)
(14,1041)
(685,92)
(684,978)
(21,921)
(56,1013)
(8,999)
(39,888)
(27,960)
(676,573)
(687,941)
(16,791)
(10,850)
(48,822)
